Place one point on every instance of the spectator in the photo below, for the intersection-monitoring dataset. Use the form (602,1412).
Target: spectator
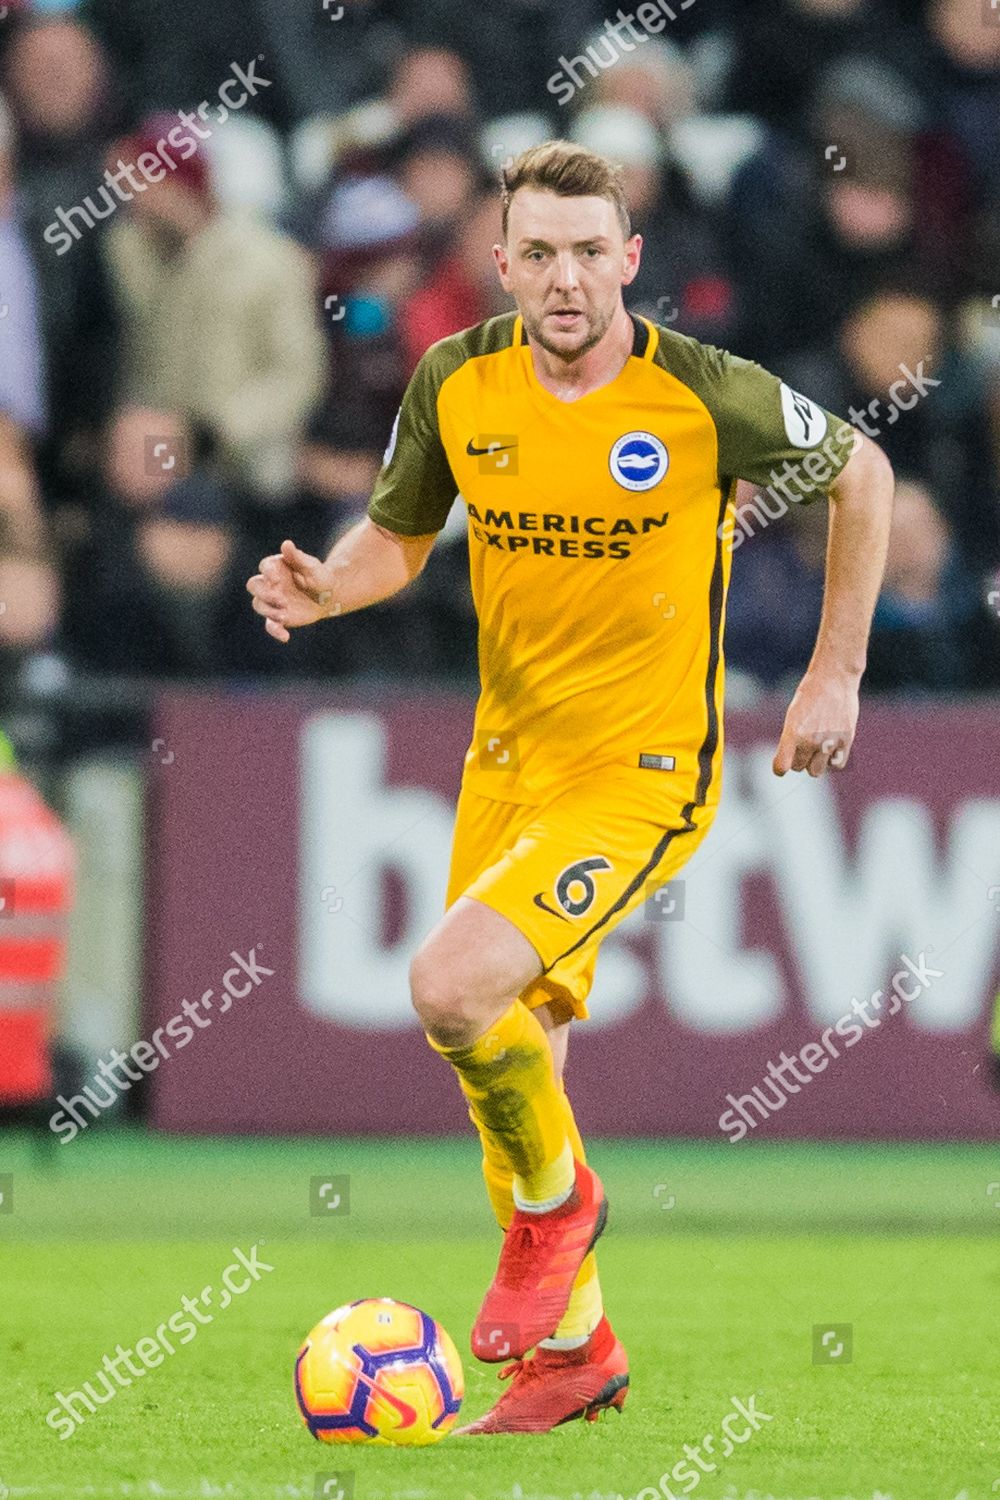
(929,623)
(22,397)
(895,373)
(371,244)
(219,318)
(958,65)
(437,165)
(431,80)
(815,230)
(29,588)
(931,630)
(463,288)
(29,619)
(871,112)
(424,82)
(22,400)
(58,89)
(21,515)
(145,580)
(58,80)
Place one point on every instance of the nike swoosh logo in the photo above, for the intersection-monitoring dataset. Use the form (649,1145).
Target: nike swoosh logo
(378,1394)
(475,452)
(540,901)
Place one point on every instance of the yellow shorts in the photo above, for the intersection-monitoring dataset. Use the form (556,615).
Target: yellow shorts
(567,872)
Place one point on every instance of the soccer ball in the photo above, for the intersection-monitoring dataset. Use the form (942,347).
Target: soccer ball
(379,1371)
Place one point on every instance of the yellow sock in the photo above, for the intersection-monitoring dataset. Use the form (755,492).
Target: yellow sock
(585,1308)
(586,1304)
(516,1104)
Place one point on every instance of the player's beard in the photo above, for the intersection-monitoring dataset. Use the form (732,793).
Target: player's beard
(598,325)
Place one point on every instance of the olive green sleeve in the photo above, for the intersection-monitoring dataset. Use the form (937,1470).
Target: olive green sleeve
(767,433)
(415,488)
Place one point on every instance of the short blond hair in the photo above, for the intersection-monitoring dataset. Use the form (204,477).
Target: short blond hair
(569,170)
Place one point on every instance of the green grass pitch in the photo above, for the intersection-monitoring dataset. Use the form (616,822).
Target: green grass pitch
(719,1263)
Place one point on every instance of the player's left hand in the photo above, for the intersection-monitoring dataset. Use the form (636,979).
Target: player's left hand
(819,725)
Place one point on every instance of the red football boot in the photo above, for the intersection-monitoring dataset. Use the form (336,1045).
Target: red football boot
(556,1385)
(538,1264)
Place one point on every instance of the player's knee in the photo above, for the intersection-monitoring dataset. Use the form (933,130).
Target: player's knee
(446,1009)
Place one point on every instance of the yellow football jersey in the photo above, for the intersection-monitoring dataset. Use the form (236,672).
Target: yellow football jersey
(600,540)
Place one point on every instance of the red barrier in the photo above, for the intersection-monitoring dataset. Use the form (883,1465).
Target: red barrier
(36,871)
(315,836)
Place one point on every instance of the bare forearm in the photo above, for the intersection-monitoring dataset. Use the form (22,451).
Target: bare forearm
(822,718)
(369,563)
(860,513)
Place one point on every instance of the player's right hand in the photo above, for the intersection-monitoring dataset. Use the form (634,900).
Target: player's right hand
(291,589)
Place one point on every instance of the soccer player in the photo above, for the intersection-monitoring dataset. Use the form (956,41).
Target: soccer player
(597,456)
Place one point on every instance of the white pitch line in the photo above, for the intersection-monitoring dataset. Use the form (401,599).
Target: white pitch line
(151,1490)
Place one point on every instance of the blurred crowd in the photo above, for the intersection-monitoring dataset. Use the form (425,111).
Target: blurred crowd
(228,232)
